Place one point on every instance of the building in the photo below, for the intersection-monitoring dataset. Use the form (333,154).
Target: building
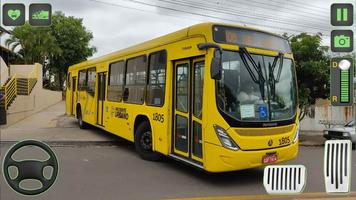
(4,52)
(21,88)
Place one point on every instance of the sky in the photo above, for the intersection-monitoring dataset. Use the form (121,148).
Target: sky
(117,24)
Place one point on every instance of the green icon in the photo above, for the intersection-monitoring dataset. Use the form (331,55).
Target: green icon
(341,81)
(42,14)
(342,14)
(342,41)
(14,14)
(344,86)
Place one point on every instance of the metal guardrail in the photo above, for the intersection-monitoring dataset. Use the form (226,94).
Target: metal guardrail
(32,79)
(10,90)
(30,84)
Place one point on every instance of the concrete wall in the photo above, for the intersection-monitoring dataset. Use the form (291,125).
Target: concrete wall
(22,71)
(324,111)
(25,106)
(39,99)
(4,72)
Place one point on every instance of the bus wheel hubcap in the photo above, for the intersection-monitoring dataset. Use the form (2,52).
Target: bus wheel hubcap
(146,141)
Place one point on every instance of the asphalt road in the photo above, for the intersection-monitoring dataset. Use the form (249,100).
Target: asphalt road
(116,172)
(95,165)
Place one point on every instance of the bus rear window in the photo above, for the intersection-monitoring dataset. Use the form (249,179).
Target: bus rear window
(250,38)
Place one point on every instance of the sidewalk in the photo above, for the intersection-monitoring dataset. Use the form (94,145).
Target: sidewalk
(53,126)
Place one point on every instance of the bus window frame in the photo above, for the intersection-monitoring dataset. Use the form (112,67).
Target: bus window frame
(124,81)
(69,79)
(251,124)
(91,93)
(134,85)
(85,84)
(85,87)
(194,89)
(148,78)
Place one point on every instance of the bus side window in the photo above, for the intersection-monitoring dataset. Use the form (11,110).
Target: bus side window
(157,78)
(135,80)
(116,81)
(82,83)
(74,85)
(91,81)
(69,78)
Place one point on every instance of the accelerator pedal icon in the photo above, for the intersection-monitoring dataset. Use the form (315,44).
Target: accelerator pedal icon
(337,166)
(284,179)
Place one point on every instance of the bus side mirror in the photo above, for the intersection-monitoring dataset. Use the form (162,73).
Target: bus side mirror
(216,62)
(216,67)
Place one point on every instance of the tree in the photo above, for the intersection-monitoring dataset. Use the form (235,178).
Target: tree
(312,66)
(74,40)
(35,44)
(64,43)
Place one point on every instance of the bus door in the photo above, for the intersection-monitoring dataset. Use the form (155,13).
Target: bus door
(101,98)
(188,101)
(73,93)
(89,100)
(69,94)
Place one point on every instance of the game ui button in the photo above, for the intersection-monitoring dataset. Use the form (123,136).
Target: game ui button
(13,14)
(342,14)
(40,14)
(342,41)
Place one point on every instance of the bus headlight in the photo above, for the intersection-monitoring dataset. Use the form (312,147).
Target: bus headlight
(225,139)
(296,135)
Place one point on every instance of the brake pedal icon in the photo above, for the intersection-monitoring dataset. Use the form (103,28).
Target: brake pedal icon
(284,179)
(337,166)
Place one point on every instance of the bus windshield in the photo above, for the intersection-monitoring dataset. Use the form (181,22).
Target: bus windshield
(261,88)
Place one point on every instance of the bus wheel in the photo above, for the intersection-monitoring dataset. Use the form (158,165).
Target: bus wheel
(81,123)
(143,142)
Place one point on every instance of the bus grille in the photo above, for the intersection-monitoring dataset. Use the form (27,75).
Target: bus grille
(284,179)
(264,131)
(337,166)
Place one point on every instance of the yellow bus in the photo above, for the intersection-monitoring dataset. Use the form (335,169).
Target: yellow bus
(215,96)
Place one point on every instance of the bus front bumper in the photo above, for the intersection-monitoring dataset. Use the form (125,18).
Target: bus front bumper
(220,159)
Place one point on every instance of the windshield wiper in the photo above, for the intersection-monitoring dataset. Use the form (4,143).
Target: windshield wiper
(272,79)
(260,80)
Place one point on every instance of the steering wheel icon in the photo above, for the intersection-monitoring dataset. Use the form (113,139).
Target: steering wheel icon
(30,169)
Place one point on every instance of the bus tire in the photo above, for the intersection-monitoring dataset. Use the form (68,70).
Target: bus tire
(81,123)
(143,142)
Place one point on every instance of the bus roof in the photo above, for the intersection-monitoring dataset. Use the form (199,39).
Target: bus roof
(204,29)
